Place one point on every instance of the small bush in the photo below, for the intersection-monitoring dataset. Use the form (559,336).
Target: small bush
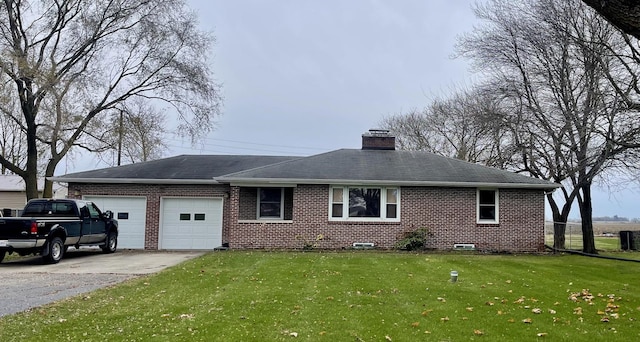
(414,240)
(310,244)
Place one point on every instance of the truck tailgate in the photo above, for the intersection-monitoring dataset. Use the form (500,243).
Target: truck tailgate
(14,228)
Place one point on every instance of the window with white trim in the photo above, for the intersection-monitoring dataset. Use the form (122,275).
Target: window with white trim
(487,206)
(363,203)
(270,203)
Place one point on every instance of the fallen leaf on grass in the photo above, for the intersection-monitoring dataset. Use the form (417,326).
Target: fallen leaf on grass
(426,312)
(551,311)
(542,334)
(293,334)
(387,338)
(415,324)
(604,319)
(489,303)
(470,309)
(444,319)
(527,320)
(478,332)
(536,310)
(440,299)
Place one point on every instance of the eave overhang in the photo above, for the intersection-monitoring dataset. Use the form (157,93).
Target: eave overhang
(289,182)
(131,180)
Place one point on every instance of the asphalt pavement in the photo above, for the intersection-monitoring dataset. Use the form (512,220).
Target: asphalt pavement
(27,283)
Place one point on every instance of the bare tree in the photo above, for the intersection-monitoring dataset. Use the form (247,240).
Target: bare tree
(11,142)
(550,61)
(459,126)
(73,61)
(137,134)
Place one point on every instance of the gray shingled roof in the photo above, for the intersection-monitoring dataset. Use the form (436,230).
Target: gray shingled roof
(391,167)
(346,166)
(179,169)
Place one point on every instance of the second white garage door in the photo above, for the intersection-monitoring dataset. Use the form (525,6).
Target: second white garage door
(191,223)
(131,213)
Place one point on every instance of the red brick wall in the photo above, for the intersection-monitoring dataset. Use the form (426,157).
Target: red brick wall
(449,213)
(153,193)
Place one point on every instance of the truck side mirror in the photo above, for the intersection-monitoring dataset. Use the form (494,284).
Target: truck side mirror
(108,214)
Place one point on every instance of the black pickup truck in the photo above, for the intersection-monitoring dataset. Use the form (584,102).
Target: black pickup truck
(49,226)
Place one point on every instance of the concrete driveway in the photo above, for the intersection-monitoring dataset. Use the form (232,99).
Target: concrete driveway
(26,283)
(93,261)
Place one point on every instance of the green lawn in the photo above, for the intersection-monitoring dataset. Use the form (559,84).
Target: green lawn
(353,296)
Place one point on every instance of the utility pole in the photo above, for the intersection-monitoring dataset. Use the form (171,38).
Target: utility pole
(120,133)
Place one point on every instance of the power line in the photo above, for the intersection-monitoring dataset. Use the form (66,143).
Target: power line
(209,146)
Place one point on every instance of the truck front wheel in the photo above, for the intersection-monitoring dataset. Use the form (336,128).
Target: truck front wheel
(110,243)
(56,251)
(2,253)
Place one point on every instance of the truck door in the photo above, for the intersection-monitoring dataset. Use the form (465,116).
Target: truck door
(85,216)
(98,225)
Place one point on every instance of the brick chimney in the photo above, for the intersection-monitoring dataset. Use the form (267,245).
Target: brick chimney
(378,139)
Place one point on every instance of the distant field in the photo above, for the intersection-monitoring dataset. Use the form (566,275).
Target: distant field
(599,228)
(606,245)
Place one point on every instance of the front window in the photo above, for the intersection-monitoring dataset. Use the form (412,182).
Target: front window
(270,203)
(487,206)
(364,203)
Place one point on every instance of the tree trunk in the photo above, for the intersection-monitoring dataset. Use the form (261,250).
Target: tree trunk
(588,241)
(559,221)
(31,168)
(47,192)
(559,231)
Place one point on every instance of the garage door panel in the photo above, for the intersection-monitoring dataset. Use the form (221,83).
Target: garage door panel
(131,213)
(191,223)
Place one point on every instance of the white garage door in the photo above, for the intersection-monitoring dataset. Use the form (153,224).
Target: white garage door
(191,223)
(131,213)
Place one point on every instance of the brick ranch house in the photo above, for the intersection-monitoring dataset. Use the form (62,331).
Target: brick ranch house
(333,200)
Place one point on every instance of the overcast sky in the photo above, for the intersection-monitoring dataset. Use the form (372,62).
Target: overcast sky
(301,77)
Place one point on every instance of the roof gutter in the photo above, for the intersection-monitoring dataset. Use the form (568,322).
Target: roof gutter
(275,181)
(131,180)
